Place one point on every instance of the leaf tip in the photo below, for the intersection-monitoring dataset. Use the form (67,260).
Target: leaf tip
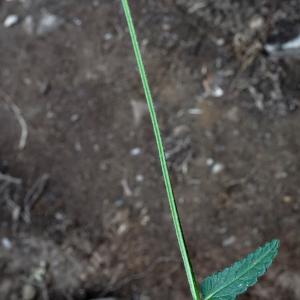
(275,244)
(236,279)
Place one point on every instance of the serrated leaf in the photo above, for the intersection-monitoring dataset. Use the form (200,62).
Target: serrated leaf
(235,280)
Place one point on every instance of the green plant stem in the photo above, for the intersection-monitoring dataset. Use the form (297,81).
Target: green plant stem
(174,211)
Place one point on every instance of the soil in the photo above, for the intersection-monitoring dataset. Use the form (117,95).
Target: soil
(84,214)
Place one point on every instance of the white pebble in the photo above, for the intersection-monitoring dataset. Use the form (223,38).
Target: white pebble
(220,42)
(122,228)
(217,92)
(59,216)
(108,36)
(256,23)
(135,151)
(229,241)
(195,111)
(209,162)
(6,243)
(11,20)
(48,23)
(217,168)
(292,44)
(28,292)
(77,21)
(139,178)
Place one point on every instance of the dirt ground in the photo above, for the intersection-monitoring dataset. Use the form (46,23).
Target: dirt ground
(83,211)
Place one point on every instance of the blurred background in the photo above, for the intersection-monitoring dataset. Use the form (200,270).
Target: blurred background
(84,214)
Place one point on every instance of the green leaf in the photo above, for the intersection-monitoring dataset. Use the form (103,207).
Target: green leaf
(235,280)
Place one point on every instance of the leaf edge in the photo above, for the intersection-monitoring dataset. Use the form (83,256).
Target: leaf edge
(274,247)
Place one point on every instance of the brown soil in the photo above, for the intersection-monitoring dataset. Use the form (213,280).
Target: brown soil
(86,215)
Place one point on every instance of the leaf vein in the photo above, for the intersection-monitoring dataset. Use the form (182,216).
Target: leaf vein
(241,275)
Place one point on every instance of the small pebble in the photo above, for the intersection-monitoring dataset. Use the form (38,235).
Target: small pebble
(122,228)
(77,21)
(126,189)
(287,199)
(139,109)
(119,202)
(139,178)
(10,21)
(217,92)
(217,168)
(281,175)
(96,147)
(48,23)
(78,147)
(233,114)
(166,27)
(195,111)
(59,216)
(229,241)
(145,220)
(28,292)
(135,151)
(256,23)
(44,87)
(181,200)
(220,42)
(75,118)
(50,115)
(209,162)
(6,243)
(108,36)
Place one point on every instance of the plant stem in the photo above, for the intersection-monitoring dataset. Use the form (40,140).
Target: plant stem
(174,211)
